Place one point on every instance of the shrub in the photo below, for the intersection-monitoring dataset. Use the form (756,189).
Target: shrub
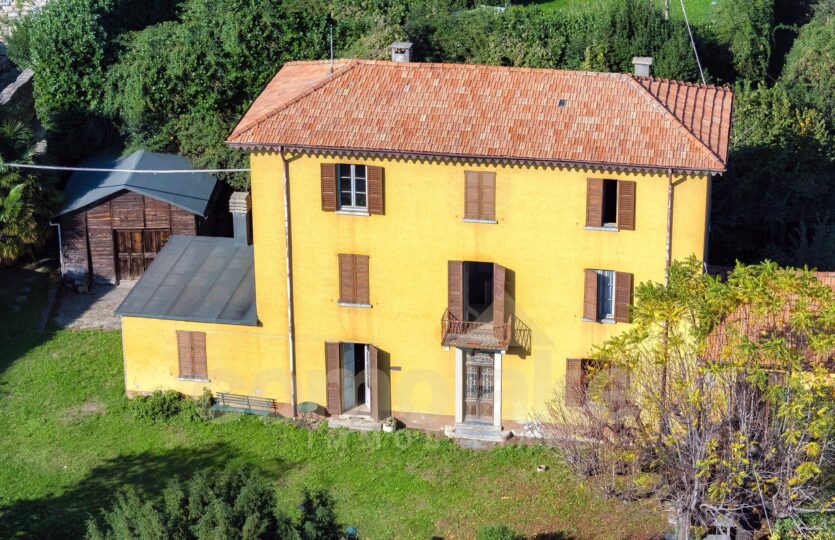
(238,503)
(318,520)
(162,406)
(497,532)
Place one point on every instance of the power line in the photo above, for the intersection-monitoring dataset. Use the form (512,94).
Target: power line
(693,43)
(96,169)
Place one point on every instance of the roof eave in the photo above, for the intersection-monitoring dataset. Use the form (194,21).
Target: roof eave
(474,157)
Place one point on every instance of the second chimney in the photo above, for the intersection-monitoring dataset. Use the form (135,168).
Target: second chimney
(240,206)
(401,51)
(642,65)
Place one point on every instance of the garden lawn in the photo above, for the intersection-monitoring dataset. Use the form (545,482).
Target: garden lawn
(69,441)
(698,11)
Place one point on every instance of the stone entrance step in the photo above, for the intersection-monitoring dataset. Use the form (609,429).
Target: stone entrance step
(355,423)
(477,432)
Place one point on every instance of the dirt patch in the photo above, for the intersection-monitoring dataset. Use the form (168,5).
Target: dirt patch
(79,412)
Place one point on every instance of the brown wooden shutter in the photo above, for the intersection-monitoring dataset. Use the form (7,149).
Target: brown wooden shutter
(626,205)
(488,196)
(618,388)
(455,289)
(329,187)
(472,195)
(376,190)
(374,381)
(198,355)
(623,296)
(361,288)
(499,277)
(184,354)
(574,382)
(346,278)
(590,296)
(594,202)
(333,377)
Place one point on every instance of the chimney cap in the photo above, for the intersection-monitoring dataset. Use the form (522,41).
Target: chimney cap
(401,45)
(240,202)
(642,65)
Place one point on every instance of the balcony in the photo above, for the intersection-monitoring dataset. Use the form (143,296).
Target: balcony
(475,334)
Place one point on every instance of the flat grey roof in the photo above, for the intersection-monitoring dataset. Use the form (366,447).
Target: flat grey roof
(197,278)
(189,191)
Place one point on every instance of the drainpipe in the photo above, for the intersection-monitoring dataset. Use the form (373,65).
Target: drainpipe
(288,255)
(60,246)
(669,255)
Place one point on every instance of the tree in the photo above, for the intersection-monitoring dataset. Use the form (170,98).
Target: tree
(745,28)
(181,86)
(777,198)
(238,503)
(26,199)
(809,73)
(728,424)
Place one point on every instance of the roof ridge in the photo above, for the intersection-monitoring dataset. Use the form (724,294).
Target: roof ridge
(636,83)
(722,87)
(349,65)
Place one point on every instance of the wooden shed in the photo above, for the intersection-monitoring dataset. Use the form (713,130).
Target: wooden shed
(114,222)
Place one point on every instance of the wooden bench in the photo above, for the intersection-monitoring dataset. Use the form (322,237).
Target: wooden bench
(245,404)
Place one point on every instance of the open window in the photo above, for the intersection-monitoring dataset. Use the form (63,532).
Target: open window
(352,379)
(610,204)
(477,291)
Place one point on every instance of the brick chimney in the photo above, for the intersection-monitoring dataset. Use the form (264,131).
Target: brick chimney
(642,65)
(240,206)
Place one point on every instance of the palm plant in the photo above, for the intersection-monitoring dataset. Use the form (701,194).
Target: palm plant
(26,199)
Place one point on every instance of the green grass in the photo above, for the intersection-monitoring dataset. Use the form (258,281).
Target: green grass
(69,441)
(698,11)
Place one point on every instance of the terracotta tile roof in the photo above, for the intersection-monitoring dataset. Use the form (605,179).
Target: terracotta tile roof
(744,322)
(479,111)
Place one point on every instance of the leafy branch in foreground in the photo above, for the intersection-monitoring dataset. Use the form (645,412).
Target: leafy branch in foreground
(719,399)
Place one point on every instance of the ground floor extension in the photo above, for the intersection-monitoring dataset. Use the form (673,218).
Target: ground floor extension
(433,387)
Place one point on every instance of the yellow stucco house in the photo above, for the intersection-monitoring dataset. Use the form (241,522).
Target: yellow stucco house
(440,243)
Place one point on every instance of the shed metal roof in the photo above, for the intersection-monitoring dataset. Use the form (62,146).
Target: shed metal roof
(197,278)
(189,191)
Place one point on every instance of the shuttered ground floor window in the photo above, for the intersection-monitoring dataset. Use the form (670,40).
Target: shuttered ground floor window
(191,350)
(611,383)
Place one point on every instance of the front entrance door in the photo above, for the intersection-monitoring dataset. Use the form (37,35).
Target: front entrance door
(136,249)
(478,387)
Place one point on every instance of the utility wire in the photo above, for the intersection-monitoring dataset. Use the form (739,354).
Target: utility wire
(96,169)
(693,43)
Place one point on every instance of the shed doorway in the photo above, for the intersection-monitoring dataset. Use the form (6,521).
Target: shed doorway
(136,249)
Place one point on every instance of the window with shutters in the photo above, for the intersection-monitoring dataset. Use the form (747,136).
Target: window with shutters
(587,379)
(480,196)
(191,352)
(353,188)
(607,296)
(610,204)
(353,280)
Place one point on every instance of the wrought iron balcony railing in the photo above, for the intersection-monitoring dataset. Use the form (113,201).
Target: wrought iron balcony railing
(475,334)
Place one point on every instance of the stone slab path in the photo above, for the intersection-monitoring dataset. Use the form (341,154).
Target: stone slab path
(92,309)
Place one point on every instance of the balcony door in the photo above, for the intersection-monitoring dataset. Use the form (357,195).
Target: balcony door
(479,387)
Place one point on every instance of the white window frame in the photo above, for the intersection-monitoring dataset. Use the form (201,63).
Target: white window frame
(602,314)
(352,175)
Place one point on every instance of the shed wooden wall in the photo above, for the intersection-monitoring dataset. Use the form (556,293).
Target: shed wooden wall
(87,235)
